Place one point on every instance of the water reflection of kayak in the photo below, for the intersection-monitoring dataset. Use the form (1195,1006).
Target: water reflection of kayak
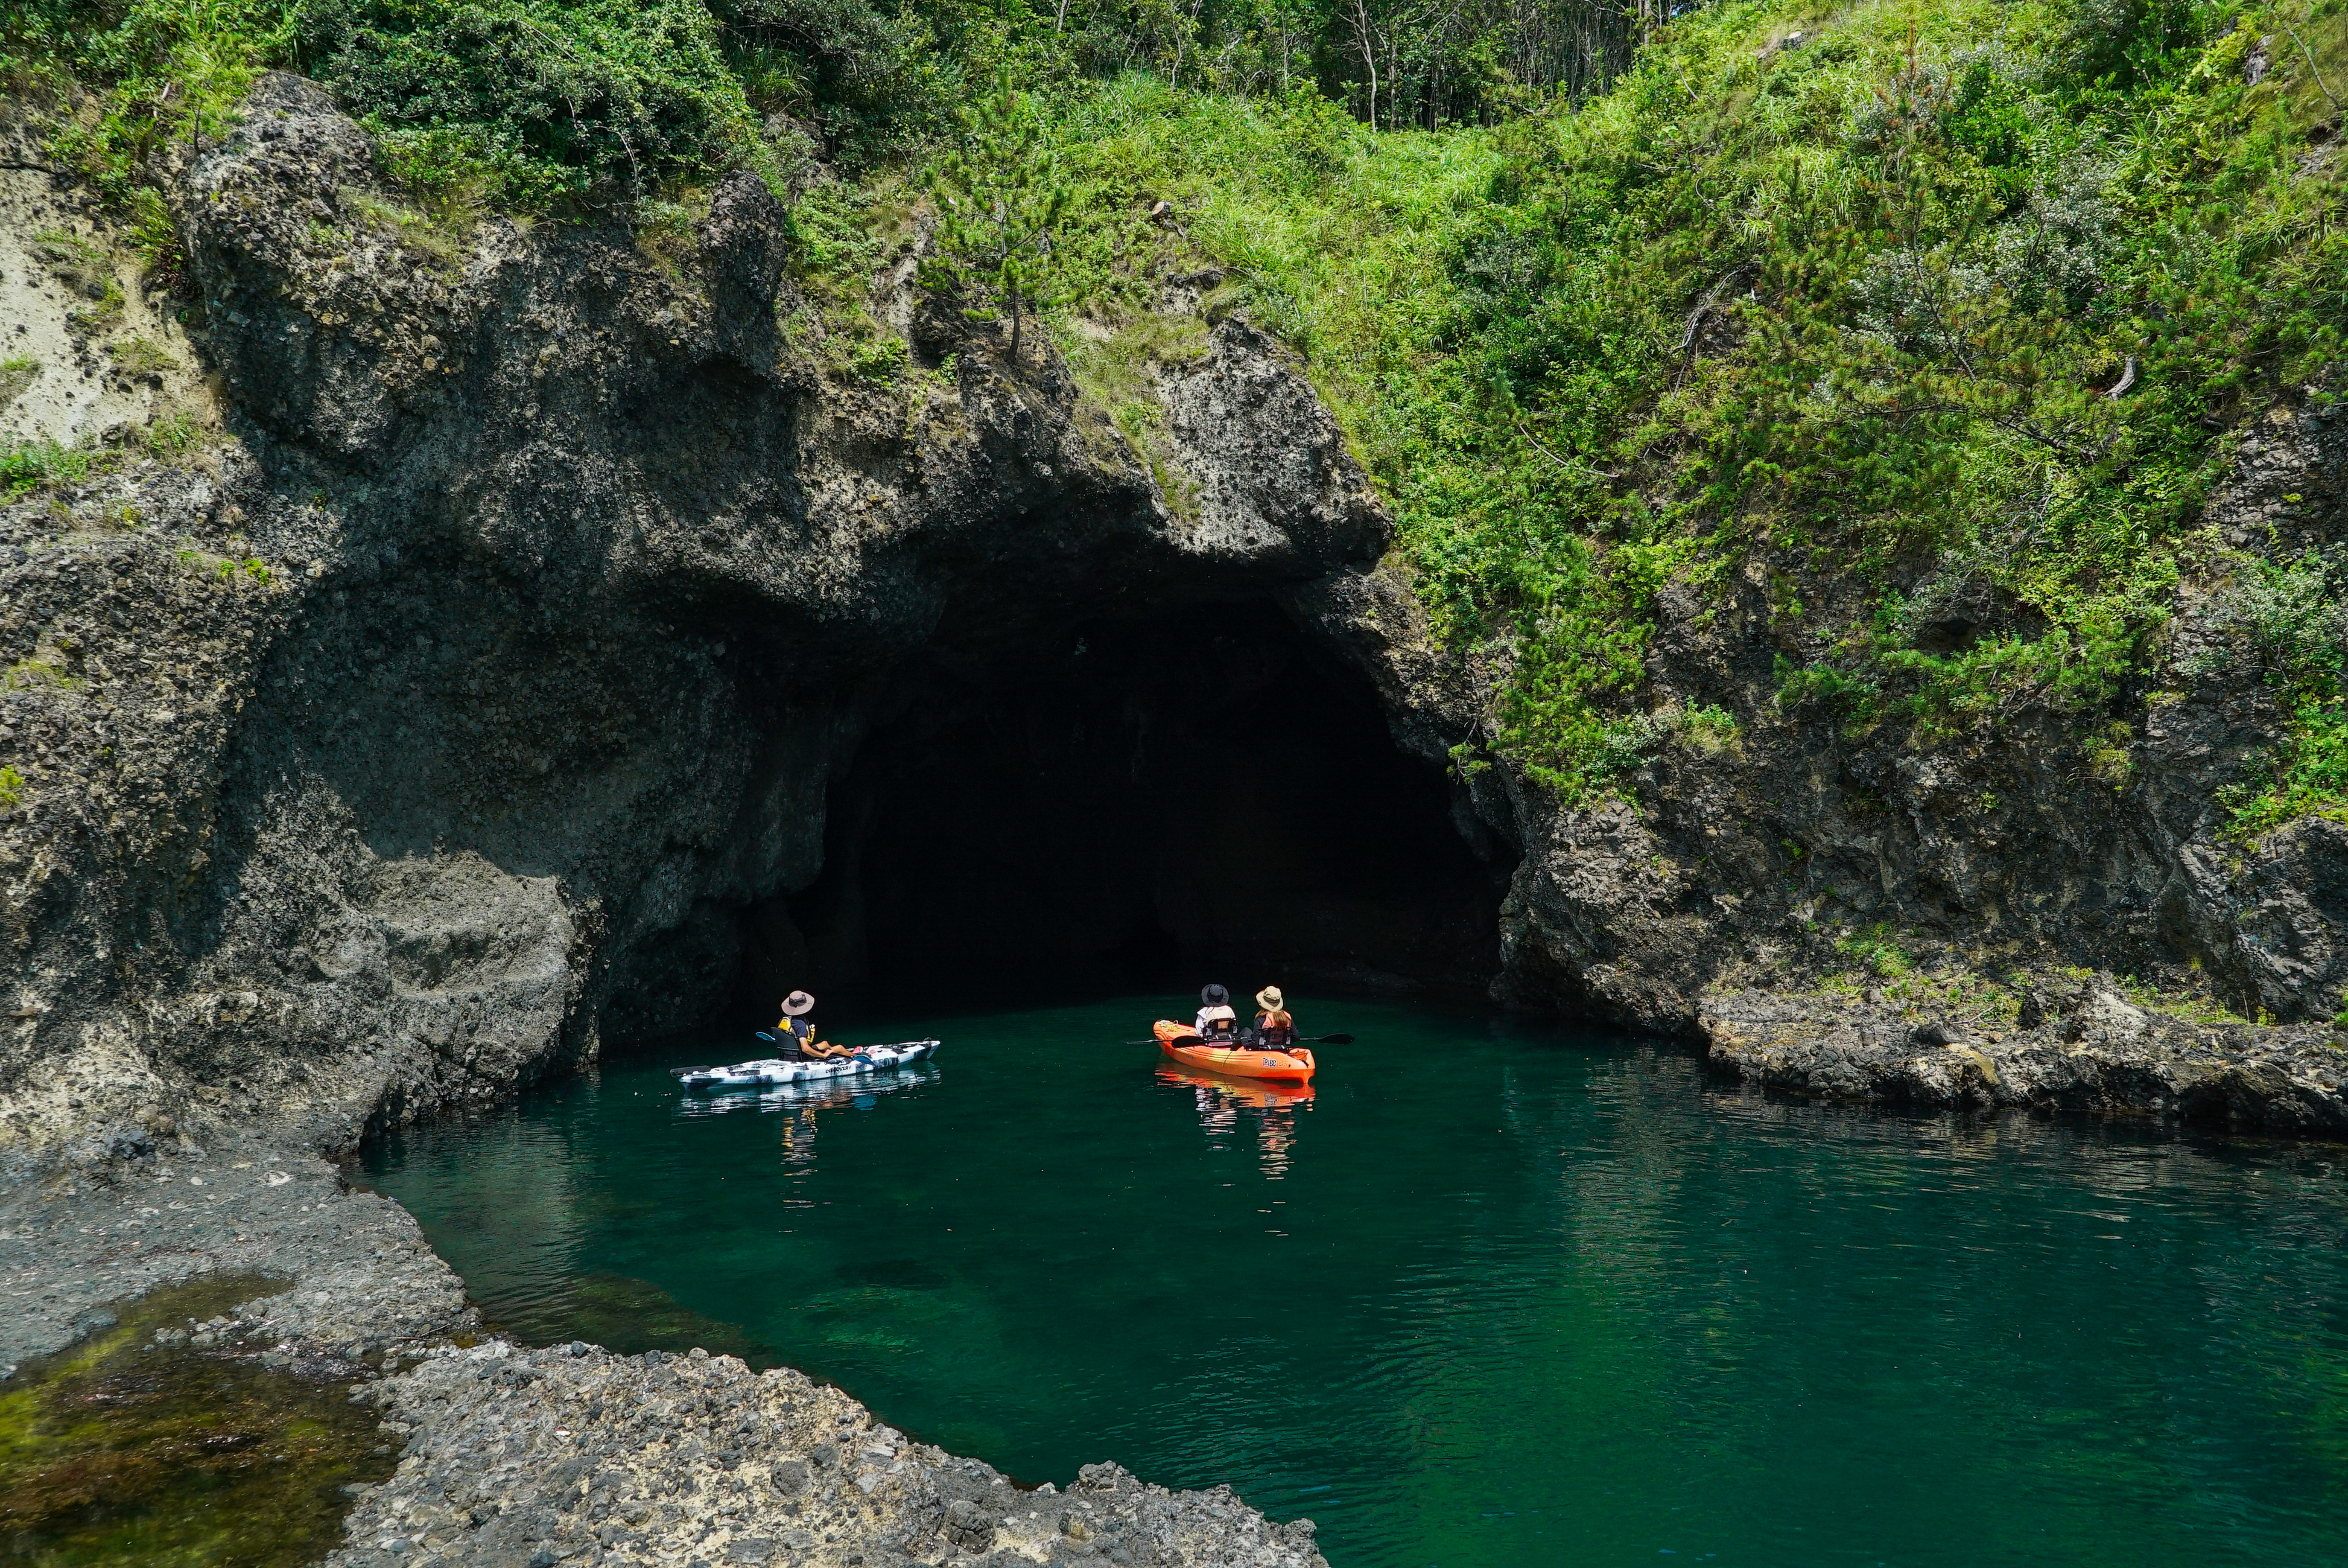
(819,1094)
(775,1070)
(1182,1043)
(1262,1094)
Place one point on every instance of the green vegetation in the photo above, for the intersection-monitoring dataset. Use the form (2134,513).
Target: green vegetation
(1955,304)
(17,373)
(45,668)
(2288,623)
(42,464)
(1877,950)
(537,101)
(31,464)
(1710,730)
(12,787)
(2312,779)
(141,356)
(999,199)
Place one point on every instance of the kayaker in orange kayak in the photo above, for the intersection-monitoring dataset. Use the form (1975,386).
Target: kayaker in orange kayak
(1270,1048)
(1216,1023)
(1230,1053)
(1275,1026)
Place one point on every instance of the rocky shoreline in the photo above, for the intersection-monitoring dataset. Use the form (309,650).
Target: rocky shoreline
(2093,1052)
(575,1455)
(510,1455)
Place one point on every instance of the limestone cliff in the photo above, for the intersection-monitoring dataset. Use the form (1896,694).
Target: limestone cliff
(1734,859)
(379,757)
(469,669)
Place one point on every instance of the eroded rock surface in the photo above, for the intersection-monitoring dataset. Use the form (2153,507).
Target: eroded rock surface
(2102,1053)
(573,1455)
(1739,857)
(394,754)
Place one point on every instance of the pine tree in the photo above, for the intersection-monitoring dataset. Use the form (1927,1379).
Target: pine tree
(999,197)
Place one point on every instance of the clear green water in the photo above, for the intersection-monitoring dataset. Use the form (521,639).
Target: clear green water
(1493,1296)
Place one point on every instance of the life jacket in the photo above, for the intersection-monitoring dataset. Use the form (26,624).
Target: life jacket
(1276,1036)
(802,1030)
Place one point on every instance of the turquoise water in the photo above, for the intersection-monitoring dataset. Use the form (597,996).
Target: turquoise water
(1492,1295)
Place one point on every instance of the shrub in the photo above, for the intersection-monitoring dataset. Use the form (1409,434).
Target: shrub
(545,99)
(30,465)
(1000,200)
(162,70)
(1879,949)
(2311,779)
(2283,620)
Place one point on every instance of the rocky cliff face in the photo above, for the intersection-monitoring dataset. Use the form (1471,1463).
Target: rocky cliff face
(383,757)
(1748,858)
(490,690)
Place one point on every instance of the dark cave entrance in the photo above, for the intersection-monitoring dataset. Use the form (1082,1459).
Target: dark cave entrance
(1206,794)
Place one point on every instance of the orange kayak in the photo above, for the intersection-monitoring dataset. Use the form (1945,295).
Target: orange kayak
(1182,1043)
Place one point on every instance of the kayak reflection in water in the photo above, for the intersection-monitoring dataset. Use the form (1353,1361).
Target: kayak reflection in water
(1222,1103)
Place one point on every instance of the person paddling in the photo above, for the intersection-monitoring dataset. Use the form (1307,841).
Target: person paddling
(1216,1021)
(798,1020)
(1275,1028)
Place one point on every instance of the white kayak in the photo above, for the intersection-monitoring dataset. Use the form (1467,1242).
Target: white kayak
(775,1070)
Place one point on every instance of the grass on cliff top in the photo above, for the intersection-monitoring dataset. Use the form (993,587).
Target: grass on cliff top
(1942,302)
(1858,305)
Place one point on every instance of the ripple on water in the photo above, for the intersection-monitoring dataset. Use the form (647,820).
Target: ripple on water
(1490,1294)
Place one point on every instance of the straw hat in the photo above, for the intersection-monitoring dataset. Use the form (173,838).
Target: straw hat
(796,1004)
(1270,999)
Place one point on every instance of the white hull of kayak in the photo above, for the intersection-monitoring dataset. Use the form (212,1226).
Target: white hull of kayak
(773,1070)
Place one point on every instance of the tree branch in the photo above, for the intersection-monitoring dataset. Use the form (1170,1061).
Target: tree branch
(2312,69)
(1568,466)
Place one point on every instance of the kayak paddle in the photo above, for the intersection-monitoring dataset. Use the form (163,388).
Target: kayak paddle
(1302,1040)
